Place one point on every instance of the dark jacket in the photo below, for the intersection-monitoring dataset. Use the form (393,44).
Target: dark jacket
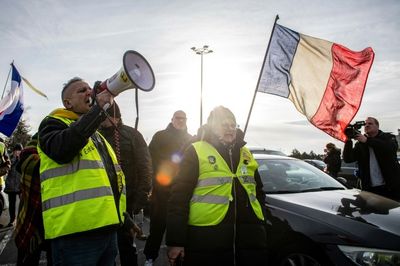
(61,142)
(333,162)
(163,145)
(135,162)
(250,231)
(13,178)
(385,147)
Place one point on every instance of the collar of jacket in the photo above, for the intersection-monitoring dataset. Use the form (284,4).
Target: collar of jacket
(171,128)
(62,112)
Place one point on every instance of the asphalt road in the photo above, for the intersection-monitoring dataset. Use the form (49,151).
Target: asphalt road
(8,250)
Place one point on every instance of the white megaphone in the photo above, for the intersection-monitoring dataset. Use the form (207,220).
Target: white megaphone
(135,73)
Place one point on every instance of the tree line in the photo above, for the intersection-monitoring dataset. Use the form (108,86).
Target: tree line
(303,155)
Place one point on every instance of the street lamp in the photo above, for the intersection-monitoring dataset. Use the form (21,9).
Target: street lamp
(201,51)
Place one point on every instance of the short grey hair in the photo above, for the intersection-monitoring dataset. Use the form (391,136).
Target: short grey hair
(67,84)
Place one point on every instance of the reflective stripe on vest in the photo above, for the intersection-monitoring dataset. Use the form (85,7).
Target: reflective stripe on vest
(210,201)
(77,196)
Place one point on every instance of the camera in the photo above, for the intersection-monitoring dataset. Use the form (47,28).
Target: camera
(352,130)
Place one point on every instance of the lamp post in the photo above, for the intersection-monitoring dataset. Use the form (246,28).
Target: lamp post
(201,51)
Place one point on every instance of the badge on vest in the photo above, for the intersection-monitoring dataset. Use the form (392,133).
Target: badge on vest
(243,170)
(211,159)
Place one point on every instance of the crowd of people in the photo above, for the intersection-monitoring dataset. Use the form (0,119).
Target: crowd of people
(85,176)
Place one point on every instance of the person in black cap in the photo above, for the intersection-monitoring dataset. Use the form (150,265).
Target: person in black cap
(13,181)
(134,158)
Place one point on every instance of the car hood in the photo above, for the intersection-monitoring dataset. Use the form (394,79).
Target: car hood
(360,206)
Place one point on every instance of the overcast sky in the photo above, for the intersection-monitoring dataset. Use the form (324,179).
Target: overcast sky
(52,41)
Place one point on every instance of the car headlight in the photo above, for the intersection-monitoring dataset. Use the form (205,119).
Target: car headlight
(371,256)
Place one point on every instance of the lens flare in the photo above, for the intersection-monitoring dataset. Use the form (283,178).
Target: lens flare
(163,179)
(166,172)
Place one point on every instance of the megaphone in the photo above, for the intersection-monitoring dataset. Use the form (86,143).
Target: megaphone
(135,73)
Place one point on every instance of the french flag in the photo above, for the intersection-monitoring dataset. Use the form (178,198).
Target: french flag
(12,105)
(324,80)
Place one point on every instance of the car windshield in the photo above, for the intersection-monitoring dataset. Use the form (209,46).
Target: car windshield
(293,176)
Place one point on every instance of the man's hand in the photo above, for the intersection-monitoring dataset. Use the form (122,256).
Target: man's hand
(174,254)
(130,227)
(104,99)
(361,138)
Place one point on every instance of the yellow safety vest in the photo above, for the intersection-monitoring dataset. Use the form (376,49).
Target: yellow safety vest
(77,196)
(211,197)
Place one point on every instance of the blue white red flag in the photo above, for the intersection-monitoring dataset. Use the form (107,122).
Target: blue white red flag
(324,80)
(12,105)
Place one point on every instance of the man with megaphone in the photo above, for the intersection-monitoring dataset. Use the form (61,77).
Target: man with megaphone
(82,185)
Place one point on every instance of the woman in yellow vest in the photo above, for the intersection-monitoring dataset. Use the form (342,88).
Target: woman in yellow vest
(82,185)
(216,208)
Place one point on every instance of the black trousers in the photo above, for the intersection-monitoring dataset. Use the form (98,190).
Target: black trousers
(25,258)
(243,257)
(127,249)
(158,224)
(12,200)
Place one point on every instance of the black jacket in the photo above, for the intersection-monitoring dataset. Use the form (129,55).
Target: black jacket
(135,162)
(385,147)
(240,219)
(333,162)
(163,145)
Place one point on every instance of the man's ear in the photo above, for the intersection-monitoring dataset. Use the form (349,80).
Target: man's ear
(67,104)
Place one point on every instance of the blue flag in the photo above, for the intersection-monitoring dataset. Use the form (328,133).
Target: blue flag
(12,105)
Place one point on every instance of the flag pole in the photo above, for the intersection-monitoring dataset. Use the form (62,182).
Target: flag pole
(258,82)
(8,76)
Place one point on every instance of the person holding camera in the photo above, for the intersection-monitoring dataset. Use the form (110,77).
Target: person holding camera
(375,153)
